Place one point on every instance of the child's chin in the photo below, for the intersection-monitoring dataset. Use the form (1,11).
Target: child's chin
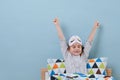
(76,54)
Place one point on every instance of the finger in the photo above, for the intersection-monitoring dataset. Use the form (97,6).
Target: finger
(54,20)
(97,23)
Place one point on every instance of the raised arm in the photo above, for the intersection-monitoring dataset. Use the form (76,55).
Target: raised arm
(59,30)
(92,34)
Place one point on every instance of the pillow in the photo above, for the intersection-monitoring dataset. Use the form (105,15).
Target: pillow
(97,66)
(56,66)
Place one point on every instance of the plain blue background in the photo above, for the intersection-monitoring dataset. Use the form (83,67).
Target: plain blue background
(28,36)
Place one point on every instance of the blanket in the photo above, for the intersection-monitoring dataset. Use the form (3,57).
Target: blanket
(80,76)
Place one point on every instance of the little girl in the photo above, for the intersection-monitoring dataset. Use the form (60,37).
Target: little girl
(75,55)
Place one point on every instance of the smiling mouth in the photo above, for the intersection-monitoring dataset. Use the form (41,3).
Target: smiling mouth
(77,51)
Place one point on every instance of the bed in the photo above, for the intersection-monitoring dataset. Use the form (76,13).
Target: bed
(45,75)
(96,68)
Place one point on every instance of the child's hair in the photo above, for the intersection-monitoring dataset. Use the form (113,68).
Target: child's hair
(73,39)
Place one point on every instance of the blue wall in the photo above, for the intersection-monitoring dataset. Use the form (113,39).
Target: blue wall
(28,36)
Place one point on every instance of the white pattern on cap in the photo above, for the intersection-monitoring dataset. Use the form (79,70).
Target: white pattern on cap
(74,39)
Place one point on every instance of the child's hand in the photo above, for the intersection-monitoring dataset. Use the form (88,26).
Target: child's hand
(96,24)
(56,21)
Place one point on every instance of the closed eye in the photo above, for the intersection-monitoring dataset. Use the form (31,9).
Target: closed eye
(71,41)
(78,40)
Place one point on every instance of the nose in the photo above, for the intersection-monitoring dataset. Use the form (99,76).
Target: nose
(77,48)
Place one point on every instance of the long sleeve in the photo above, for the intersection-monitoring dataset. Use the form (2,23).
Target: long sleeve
(64,47)
(87,48)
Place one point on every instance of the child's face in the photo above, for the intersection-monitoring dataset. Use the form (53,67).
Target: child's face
(76,49)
